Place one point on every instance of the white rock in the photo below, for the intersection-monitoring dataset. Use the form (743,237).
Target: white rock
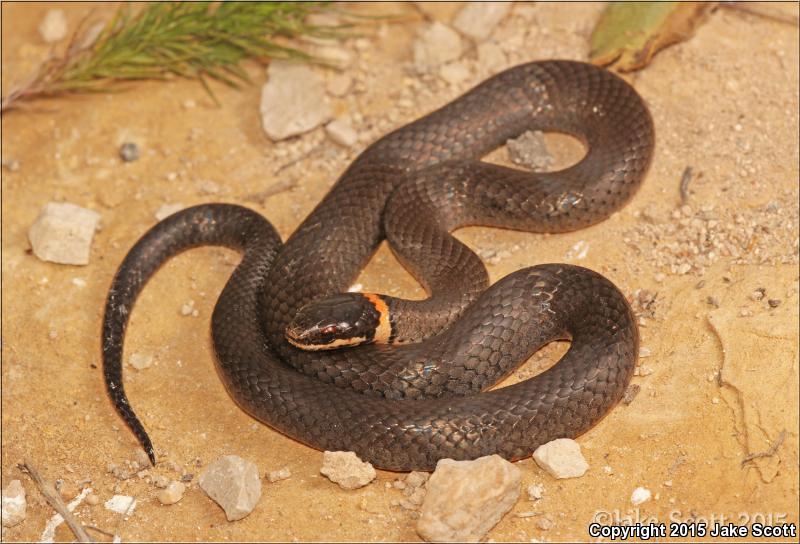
(121,504)
(292,101)
(140,361)
(54,26)
(339,84)
(562,458)
(168,209)
(535,492)
(340,132)
(278,475)
(172,493)
(465,499)
(15,505)
(233,483)
(640,495)
(346,469)
(63,233)
(454,73)
(477,20)
(490,57)
(435,45)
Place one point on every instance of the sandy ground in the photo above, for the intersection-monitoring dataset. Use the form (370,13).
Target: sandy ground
(720,382)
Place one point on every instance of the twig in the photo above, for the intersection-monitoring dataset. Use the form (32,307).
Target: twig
(760,10)
(54,500)
(769,453)
(686,179)
(277,187)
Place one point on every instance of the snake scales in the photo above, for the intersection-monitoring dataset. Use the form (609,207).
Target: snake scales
(405,407)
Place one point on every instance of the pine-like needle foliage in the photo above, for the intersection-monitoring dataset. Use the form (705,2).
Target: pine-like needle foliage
(188,39)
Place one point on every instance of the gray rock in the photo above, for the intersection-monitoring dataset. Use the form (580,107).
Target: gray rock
(477,20)
(530,150)
(15,506)
(562,458)
(346,469)
(54,26)
(292,101)
(436,44)
(278,475)
(233,483)
(63,233)
(465,499)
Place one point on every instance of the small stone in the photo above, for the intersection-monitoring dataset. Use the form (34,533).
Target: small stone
(68,491)
(160,481)
(535,492)
(465,499)
(187,308)
(490,57)
(684,268)
(774,302)
(416,478)
(561,458)
(172,494)
(63,233)
(121,504)
(14,504)
(278,475)
(346,469)
(339,84)
(530,150)
(644,352)
(399,484)
(640,495)
(758,294)
(207,187)
(454,73)
(189,104)
(477,20)
(545,523)
(168,209)
(129,152)
(292,101)
(630,393)
(660,277)
(435,45)
(340,132)
(141,361)
(92,499)
(233,483)
(745,312)
(54,26)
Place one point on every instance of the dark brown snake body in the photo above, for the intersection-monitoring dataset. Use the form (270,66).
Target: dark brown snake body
(405,407)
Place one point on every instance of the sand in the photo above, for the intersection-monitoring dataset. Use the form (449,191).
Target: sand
(718,383)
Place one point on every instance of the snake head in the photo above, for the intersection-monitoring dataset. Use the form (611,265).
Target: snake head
(346,319)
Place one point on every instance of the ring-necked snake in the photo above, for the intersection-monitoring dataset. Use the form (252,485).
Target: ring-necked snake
(406,406)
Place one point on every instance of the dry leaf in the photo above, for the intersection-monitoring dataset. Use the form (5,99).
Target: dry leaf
(630,33)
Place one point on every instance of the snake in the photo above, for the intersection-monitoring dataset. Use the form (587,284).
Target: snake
(406,383)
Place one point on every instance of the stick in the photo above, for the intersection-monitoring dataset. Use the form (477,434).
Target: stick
(54,500)
(770,452)
(686,179)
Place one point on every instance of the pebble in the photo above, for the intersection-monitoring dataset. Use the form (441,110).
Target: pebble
(121,504)
(758,294)
(465,499)
(278,475)
(14,503)
(54,26)
(490,57)
(644,352)
(92,499)
(233,483)
(63,233)
(292,101)
(140,361)
(346,469)
(416,478)
(640,495)
(129,152)
(562,458)
(168,209)
(630,393)
(535,492)
(774,302)
(172,494)
(436,44)
(454,73)
(68,491)
(545,523)
(340,132)
(477,20)
(339,84)
(530,150)
(160,481)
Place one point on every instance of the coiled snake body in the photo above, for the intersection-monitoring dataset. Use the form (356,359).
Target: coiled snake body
(405,407)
